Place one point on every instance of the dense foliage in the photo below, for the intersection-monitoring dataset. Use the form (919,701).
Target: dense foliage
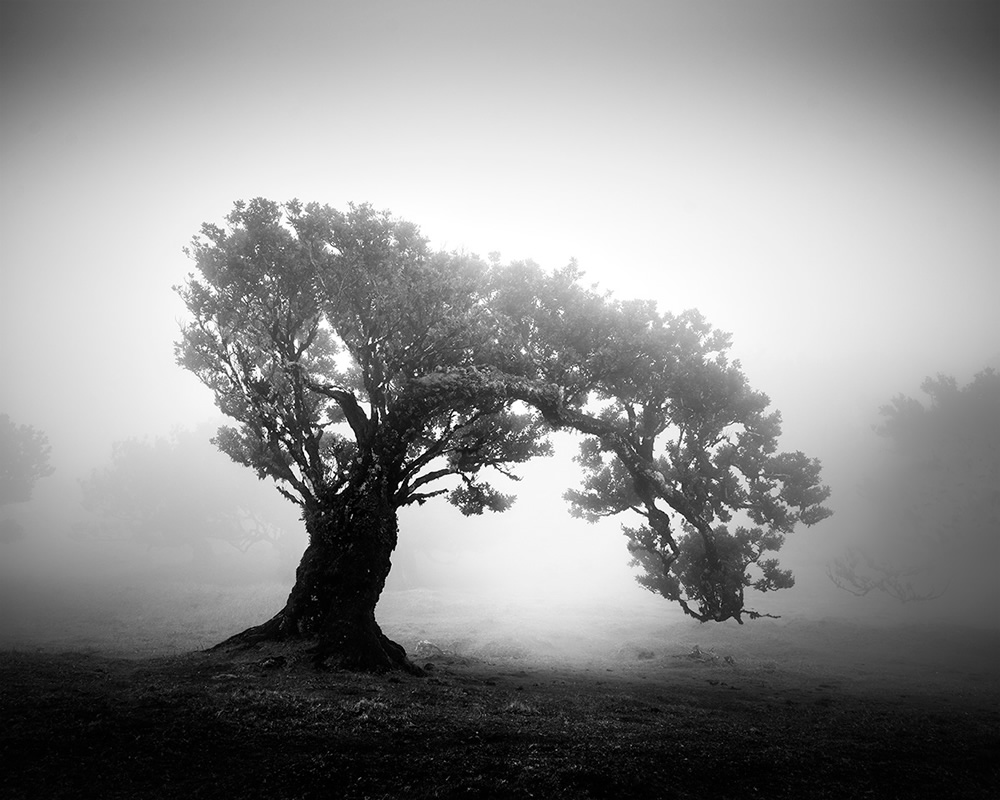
(329,320)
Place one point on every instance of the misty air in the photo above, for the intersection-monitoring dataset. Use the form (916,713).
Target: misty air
(560,399)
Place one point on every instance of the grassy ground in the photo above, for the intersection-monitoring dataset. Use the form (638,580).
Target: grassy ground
(544,701)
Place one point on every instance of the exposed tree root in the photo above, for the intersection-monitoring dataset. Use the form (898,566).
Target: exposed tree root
(355,648)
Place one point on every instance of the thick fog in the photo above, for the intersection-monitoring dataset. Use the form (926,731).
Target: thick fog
(820,179)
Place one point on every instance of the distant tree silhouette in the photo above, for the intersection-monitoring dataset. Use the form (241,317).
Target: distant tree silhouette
(24,460)
(938,493)
(175,492)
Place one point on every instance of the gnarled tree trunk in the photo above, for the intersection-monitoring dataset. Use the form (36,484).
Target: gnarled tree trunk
(338,583)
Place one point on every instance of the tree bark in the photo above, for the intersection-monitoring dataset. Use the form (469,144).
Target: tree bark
(338,583)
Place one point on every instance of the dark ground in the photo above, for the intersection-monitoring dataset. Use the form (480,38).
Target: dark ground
(501,724)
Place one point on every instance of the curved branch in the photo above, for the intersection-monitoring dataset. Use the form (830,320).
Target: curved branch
(348,403)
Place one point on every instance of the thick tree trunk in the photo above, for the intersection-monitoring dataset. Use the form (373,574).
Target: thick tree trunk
(338,583)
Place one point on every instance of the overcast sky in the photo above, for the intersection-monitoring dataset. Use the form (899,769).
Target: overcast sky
(822,179)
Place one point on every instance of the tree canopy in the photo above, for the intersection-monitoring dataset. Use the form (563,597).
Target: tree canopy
(368,372)
(938,493)
(312,336)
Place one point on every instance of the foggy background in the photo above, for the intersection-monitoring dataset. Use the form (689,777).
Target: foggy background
(818,178)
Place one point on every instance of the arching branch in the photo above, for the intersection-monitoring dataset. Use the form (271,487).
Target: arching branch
(348,403)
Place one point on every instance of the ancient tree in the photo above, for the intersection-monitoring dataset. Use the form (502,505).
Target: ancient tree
(338,342)
(367,372)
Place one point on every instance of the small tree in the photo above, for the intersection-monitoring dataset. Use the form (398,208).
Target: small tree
(938,495)
(367,373)
(24,460)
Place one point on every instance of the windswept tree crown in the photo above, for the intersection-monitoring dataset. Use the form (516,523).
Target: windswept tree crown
(347,350)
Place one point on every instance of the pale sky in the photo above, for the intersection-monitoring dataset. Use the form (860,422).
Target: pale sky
(821,179)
